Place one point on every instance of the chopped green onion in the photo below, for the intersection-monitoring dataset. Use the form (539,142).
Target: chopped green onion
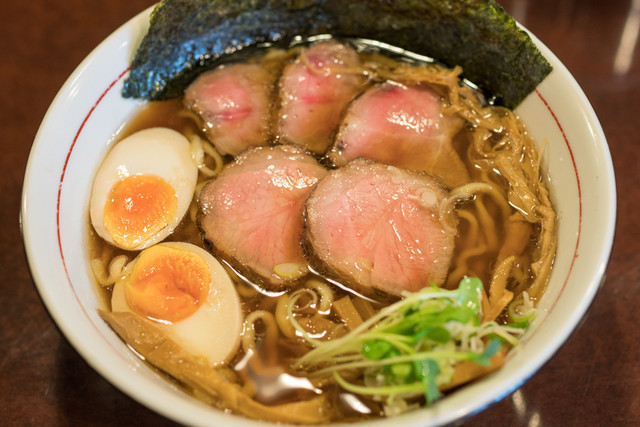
(287,269)
(402,371)
(521,310)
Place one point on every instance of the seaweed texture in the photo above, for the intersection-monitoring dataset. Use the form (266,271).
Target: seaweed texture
(188,36)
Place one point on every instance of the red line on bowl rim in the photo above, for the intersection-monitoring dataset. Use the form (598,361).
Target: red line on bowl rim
(578,185)
(64,171)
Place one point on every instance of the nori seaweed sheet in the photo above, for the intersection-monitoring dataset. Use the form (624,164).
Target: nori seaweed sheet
(187,37)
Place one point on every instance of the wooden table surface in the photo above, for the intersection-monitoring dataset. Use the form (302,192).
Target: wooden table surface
(594,379)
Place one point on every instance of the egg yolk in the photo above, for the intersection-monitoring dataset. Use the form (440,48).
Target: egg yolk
(137,208)
(167,284)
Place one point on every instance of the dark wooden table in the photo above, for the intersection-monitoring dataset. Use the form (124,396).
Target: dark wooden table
(594,379)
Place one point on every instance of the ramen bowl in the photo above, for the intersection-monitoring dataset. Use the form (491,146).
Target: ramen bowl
(87,114)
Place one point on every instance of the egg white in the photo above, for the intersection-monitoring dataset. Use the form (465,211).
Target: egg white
(157,151)
(213,332)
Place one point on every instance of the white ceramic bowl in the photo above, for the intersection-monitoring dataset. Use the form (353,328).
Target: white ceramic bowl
(80,126)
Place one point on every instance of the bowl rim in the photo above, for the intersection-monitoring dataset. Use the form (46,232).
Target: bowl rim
(439,413)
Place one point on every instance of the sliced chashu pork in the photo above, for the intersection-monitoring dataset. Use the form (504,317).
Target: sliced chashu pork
(234,103)
(314,91)
(252,212)
(374,226)
(402,126)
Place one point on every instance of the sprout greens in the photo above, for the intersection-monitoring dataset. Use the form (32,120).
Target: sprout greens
(411,348)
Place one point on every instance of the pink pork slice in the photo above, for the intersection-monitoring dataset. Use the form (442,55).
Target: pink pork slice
(253,212)
(402,126)
(370,225)
(234,103)
(314,91)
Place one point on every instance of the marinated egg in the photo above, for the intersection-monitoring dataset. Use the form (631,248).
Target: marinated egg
(188,295)
(143,188)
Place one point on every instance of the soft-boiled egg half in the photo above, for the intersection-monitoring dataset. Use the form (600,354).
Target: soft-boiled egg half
(143,188)
(185,291)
